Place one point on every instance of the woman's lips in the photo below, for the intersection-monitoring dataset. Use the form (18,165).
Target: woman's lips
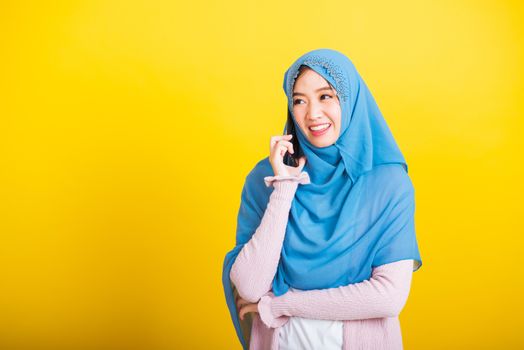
(320,132)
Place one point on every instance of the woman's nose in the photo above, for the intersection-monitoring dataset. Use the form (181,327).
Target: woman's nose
(315,110)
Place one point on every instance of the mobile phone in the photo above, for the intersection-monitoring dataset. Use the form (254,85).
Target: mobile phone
(292,159)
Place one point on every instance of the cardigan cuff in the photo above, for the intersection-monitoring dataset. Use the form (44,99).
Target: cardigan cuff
(266,314)
(302,178)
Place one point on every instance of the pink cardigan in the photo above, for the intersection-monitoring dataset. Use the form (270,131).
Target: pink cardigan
(369,309)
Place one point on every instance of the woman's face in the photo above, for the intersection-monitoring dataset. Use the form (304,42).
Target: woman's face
(315,103)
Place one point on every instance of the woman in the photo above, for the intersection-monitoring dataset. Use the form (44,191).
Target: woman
(325,242)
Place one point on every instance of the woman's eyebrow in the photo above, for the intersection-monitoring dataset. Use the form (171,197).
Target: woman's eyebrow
(322,88)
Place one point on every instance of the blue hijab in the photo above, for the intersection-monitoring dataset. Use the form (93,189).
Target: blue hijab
(358,211)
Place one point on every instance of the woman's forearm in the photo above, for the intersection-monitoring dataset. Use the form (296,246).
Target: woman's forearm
(383,295)
(256,264)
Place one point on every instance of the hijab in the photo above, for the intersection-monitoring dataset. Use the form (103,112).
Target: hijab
(356,213)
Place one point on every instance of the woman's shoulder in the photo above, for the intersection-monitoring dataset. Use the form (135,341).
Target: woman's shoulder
(261,169)
(254,181)
(393,177)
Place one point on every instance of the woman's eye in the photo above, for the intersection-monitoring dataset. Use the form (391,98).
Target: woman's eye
(297,101)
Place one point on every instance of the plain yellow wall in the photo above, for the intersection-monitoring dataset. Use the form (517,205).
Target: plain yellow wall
(128,127)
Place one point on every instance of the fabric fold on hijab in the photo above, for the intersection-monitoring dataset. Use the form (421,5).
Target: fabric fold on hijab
(358,210)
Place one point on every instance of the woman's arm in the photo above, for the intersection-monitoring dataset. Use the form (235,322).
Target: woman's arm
(256,264)
(383,295)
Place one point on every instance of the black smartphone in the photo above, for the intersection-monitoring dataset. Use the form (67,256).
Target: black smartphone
(292,159)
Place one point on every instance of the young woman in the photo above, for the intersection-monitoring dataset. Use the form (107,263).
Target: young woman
(325,242)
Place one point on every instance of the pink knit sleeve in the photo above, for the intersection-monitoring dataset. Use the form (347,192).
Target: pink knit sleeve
(255,266)
(383,295)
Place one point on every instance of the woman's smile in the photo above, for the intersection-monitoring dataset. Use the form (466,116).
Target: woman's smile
(319,130)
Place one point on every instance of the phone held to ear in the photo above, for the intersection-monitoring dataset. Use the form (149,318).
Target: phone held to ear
(288,159)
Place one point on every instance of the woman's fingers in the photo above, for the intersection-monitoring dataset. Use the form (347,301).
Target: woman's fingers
(279,146)
(289,146)
(246,309)
(275,139)
(245,306)
(282,146)
(241,302)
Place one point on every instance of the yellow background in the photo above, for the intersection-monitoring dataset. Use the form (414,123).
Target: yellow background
(128,127)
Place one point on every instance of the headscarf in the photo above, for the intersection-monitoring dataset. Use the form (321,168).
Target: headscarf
(358,211)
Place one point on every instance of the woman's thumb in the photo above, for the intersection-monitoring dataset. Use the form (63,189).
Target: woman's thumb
(301,162)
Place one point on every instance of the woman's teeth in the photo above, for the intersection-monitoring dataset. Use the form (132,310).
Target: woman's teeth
(319,127)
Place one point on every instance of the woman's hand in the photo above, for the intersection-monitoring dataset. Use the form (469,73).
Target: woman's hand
(245,306)
(278,147)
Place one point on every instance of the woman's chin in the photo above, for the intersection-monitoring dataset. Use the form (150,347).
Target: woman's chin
(322,143)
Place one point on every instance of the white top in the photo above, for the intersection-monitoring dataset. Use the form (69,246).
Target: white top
(307,333)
